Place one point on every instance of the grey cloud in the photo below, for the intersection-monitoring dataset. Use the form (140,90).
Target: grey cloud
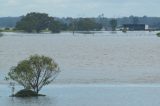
(81,7)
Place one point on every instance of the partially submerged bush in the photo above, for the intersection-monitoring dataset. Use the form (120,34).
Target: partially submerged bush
(35,72)
(124,30)
(158,34)
(27,93)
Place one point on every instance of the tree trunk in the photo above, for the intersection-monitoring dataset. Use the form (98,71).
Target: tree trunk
(37,90)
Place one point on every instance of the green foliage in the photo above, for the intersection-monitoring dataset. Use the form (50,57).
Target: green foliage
(36,22)
(35,72)
(64,26)
(153,22)
(113,23)
(33,21)
(7,28)
(158,34)
(22,74)
(99,26)
(54,26)
(134,19)
(124,30)
(86,24)
(26,93)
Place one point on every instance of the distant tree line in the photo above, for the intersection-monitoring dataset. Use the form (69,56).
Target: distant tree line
(113,23)
(76,24)
(84,24)
(8,21)
(37,22)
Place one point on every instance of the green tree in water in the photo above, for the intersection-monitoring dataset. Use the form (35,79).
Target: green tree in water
(86,24)
(35,72)
(36,22)
(54,26)
(113,23)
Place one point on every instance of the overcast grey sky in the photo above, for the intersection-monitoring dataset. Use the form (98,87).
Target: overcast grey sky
(81,8)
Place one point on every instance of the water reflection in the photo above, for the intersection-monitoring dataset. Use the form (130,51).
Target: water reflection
(1,34)
(91,95)
(31,101)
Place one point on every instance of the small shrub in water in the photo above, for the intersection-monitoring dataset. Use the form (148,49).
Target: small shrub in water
(158,34)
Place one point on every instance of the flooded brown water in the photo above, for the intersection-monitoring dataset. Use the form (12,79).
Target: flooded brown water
(131,57)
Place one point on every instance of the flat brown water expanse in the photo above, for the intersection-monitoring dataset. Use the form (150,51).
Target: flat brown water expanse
(100,58)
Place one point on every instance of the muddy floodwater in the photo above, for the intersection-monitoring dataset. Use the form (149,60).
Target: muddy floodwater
(103,57)
(101,69)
